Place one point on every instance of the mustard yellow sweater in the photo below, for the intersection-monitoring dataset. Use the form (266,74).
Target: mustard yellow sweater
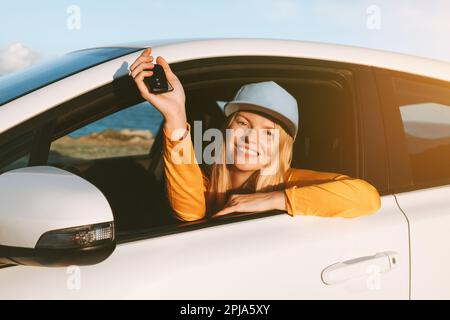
(307,192)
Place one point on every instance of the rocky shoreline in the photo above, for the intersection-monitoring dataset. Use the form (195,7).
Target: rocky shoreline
(105,144)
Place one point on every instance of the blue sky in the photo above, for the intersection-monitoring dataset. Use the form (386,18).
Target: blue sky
(36,30)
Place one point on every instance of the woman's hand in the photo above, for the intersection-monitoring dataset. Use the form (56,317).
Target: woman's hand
(254,202)
(170,104)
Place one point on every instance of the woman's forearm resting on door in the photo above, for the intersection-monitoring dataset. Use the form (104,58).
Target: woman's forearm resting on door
(343,197)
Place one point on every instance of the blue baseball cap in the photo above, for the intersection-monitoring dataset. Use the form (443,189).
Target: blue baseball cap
(268,98)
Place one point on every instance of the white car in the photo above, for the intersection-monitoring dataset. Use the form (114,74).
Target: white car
(82,206)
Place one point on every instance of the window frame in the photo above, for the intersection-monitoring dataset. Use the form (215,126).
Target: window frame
(119,87)
(361,161)
(29,138)
(400,172)
(373,148)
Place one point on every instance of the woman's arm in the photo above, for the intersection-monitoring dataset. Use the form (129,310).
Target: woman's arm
(184,180)
(330,195)
(312,193)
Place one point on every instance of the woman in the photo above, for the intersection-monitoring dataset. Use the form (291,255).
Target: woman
(261,134)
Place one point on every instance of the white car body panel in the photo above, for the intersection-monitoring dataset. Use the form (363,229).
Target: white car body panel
(276,257)
(428,212)
(289,262)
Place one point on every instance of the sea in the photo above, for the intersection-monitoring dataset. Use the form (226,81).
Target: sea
(143,116)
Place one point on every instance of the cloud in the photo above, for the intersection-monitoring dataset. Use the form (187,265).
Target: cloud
(16,56)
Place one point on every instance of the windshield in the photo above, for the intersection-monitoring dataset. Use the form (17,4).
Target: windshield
(17,84)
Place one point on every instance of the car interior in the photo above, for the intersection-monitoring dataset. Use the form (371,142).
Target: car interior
(134,186)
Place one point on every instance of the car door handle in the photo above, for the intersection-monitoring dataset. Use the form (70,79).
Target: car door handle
(363,266)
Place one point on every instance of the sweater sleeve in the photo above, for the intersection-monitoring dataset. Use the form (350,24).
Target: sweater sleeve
(184,178)
(330,195)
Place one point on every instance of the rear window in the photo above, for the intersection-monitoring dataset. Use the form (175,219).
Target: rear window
(17,84)
(425,113)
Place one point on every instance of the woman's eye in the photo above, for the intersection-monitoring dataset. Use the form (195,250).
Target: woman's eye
(269,132)
(241,123)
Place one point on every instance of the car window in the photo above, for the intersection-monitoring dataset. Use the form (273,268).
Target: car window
(113,154)
(425,114)
(22,162)
(107,155)
(129,132)
(17,84)
(15,151)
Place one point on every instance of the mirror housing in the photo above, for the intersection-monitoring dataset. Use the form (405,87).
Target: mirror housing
(51,217)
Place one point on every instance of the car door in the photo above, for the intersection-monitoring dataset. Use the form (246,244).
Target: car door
(417,111)
(262,255)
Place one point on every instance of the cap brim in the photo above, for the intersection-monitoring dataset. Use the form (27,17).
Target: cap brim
(233,106)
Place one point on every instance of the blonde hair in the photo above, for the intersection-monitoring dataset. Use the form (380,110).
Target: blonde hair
(220,179)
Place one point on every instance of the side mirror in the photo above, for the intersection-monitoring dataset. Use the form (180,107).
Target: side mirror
(51,217)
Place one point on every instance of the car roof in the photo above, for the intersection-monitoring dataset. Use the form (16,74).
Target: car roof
(178,50)
(196,48)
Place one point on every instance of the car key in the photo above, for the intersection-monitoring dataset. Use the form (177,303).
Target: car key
(157,82)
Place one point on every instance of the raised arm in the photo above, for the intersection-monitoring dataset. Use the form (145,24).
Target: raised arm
(184,181)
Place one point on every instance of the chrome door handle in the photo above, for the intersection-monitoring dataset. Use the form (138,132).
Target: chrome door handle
(354,268)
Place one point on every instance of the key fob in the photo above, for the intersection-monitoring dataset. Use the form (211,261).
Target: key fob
(157,82)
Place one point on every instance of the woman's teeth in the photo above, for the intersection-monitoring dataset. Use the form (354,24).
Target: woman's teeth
(249,151)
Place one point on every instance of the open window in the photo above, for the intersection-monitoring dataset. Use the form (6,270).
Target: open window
(327,137)
(113,154)
(108,137)
(113,139)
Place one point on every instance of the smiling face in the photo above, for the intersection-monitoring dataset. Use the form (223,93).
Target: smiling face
(251,141)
